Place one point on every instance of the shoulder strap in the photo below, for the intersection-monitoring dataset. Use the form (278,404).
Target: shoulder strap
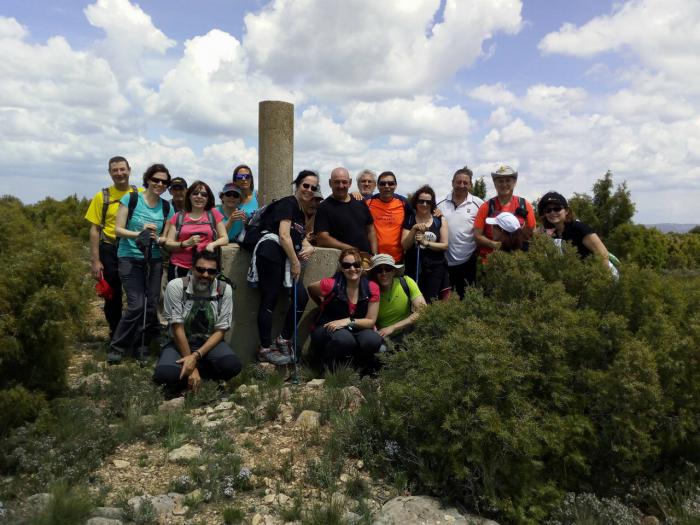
(166,212)
(179,219)
(492,206)
(522,206)
(212,224)
(404,286)
(105,206)
(133,201)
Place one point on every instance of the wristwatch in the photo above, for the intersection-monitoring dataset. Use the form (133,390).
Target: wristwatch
(351,325)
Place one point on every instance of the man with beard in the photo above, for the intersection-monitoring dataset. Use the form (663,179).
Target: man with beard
(198,308)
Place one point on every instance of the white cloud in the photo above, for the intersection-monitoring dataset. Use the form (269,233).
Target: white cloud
(665,35)
(496,94)
(211,90)
(417,117)
(131,35)
(370,50)
(316,130)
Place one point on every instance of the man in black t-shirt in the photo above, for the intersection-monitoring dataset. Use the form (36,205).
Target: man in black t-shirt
(343,222)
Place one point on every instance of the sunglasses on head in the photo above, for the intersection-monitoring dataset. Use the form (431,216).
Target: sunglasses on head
(200,193)
(164,182)
(242,176)
(550,209)
(387,183)
(307,186)
(347,265)
(427,202)
(210,271)
(232,194)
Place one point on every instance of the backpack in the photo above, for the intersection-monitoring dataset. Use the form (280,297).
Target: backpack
(256,227)
(520,211)
(106,203)
(180,220)
(220,289)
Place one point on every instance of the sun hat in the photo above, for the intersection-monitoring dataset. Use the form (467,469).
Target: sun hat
(504,171)
(551,197)
(505,221)
(384,259)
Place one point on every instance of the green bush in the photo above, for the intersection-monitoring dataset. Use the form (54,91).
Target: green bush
(554,378)
(17,405)
(42,304)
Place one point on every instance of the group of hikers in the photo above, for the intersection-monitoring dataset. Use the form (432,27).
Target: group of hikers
(397,254)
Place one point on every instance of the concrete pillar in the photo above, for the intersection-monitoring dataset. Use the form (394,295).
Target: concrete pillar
(275,150)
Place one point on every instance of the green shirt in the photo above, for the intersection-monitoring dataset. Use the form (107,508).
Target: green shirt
(394,306)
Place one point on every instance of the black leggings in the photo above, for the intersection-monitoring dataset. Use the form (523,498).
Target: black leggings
(270,279)
(343,346)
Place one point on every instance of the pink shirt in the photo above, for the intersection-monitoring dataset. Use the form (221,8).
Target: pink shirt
(327,286)
(183,257)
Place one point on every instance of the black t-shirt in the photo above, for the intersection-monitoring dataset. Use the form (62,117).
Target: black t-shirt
(286,208)
(427,256)
(344,221)
(574,232)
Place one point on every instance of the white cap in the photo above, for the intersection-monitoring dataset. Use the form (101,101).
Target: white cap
(506,221)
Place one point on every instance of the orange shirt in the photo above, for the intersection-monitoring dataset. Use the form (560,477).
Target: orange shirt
(483,213)
(388,222)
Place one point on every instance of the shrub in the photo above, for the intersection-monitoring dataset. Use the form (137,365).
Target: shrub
(555,378)
(67,506)
(42,304)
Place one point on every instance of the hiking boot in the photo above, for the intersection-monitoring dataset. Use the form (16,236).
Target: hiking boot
(273,356)
(284,346)
(114,357)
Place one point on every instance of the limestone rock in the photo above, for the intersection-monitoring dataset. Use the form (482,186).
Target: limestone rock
(113,513)
(172,404)
(316,383)
(163,504)
(650,520)
(185,453)
(39,501)
(103,521)
(309,419)
(120,463)
(421,510)
(224,405)
(353,397)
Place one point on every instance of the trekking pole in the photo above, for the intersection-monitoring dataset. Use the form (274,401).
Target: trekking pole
(295,374)
(417,262)
(143,351)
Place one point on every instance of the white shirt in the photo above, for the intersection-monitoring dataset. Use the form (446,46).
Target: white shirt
(460,222)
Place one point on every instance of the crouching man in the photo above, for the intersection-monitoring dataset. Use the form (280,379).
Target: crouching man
(198,308)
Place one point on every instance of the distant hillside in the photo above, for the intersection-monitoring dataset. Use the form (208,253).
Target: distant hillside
(668,227)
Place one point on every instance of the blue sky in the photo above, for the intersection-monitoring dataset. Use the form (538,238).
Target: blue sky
(562,91)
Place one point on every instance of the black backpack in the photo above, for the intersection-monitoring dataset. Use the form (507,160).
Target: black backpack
(257,226)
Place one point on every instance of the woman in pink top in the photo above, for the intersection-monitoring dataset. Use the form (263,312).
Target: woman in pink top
(199,226)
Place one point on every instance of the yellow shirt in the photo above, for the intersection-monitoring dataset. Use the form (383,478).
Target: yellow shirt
(94,213)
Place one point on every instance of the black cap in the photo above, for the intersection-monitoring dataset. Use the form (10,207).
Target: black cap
(551,197)
(178,182)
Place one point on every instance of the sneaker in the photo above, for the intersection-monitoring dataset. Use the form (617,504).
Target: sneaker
(285,346)
(273,356)
(114,357)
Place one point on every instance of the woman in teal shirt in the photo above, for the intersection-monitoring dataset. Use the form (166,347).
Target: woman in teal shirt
(243,180)
(140,222)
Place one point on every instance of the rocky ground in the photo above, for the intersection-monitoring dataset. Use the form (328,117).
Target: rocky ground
(258,451)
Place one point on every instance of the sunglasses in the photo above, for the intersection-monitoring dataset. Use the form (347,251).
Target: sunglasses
(200,194)
(164,182)
(384,269)
(242,176)
(387,183)
(210,271)
(348,265)
(553,208)
(307,186)
(232,194)
(427,202)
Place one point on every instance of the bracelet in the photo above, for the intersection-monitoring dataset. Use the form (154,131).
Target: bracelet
(199,356)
